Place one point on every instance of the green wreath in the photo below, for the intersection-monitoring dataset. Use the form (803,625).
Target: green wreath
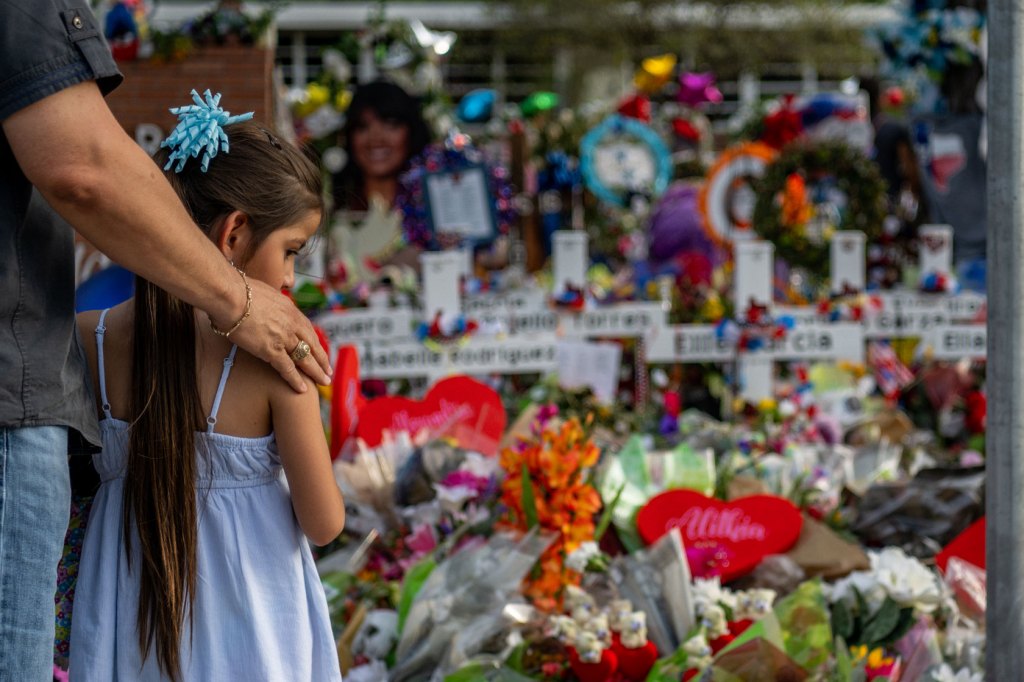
(799,236)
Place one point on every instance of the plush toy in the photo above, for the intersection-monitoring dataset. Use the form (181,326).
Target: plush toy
(377,635)
(635,653)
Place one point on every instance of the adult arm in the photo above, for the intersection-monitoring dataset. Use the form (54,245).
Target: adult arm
(73,150)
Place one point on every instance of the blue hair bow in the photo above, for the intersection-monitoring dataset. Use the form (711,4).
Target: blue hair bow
(200,129)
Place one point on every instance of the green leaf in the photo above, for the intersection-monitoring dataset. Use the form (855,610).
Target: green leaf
(881,625)
(414,579)
(842,620)
(471,673)
(606,514)
(529,501)
(907,621)
(844,666)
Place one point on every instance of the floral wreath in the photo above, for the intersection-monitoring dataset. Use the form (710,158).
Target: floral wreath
(613,127)
(454,155)
(785,215)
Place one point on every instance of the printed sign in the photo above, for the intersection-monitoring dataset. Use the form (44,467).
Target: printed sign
(847,255)
(835,341)
(498,305)
(570,259)
(727,539)
(461,407)
(619,321)
(687,343)
(442,274)
(958,342)
(518,355)
(353,326)
(700,343)
(755,264)
(936,249)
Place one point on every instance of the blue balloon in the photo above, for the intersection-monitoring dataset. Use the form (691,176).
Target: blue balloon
(105,289)
(477,106)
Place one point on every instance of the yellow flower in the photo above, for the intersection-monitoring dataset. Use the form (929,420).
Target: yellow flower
(766,405)
(878,659)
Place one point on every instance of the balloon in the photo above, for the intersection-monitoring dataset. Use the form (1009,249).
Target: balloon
(105,289)
(477,106)
(636,106)
(697,88)
(677,227)
(654,73)
(539,102)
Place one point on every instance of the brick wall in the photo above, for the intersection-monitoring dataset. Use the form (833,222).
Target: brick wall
(243,75)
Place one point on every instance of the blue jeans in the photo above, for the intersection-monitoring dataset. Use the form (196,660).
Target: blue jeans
(35,498)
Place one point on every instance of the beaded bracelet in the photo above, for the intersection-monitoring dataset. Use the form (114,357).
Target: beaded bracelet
(248,307)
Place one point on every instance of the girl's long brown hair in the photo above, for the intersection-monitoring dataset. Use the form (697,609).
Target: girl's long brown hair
(275,185)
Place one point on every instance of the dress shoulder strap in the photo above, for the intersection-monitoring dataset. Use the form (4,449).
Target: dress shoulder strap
(211,421)
(100,330)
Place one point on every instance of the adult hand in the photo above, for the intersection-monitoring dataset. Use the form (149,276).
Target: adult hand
(274,330)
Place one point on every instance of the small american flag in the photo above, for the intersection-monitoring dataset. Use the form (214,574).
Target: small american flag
(890,374)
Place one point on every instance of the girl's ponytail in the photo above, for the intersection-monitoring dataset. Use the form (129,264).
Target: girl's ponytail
(160,482)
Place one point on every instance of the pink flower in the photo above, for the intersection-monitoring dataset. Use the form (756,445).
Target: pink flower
(422,540)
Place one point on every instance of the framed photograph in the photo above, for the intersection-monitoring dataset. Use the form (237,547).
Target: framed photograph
(460,205)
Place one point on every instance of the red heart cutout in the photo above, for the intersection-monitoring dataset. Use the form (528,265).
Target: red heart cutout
(722,538)
(969,546)
(460,407)
(602,671)
(635,664)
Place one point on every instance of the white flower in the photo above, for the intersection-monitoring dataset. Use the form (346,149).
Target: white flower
(906,580)
(710,591)
(478,465)
(578,560)
(944,673)
(865,582)
(452,498)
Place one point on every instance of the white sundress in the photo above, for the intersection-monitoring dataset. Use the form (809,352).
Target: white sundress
(260,612)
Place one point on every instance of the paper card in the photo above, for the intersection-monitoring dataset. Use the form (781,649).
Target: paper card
(442,274)
(571,258)
(687,343)
(755,264)
(756,372)
(460,203)
(956,342)
(351,326)
(847,252)
(722,538)
(594,365)
(936,249)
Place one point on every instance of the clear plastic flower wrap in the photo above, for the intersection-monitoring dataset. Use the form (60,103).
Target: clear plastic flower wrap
(461,605)
(924,514)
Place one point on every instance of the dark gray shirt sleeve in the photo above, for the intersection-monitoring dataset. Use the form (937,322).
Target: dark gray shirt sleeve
(49,45)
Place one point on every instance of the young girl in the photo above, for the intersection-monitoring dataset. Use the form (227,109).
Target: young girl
(195,564)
